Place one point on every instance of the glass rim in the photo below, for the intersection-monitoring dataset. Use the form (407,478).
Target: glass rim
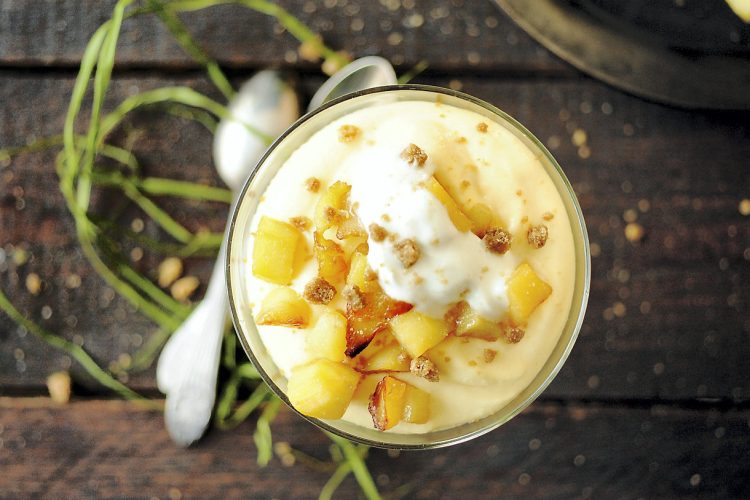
(577,225)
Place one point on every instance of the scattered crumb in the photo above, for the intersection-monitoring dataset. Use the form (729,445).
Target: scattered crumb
(548,216)
(465,184)
(634,232)
(524,219)
(319,291)
(485,269)
(349,133)
(301,222)
(744,207)
(355,299)
(312,184)
(418,280)
(482,127)
(59,387)
(378,233)
(472,362)
(461,140)
(489,355)
(513,334)
(423,367)
(183,288)
(386,217)
(33,283)
(497,240)
(519,193)
(537,235)
(169,270)
(407,252)
(413,154)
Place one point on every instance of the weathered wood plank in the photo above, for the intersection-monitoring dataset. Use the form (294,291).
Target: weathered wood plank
(474,35)
(667,318)
(112,448)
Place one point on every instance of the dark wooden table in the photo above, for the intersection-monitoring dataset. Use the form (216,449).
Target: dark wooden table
(653,401)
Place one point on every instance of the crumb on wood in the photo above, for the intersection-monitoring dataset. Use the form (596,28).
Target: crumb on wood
(413,154)
(349,133)
(407,252)
(313,184)
(497,240)
(423,367)
(537,235)
(319,291)
(355,299)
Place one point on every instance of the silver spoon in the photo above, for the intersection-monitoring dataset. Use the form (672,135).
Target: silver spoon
(189,363)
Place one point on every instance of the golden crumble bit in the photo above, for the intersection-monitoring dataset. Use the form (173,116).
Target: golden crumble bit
(378,233)
(482,127)
(472,363)
(497,240)
(407,252)
(349,133)
(548,216)
(386,217)
(413,154)
(423,367)
(461,140)
(301,222)
(355,299)
(537,235)
(489,355)
(513,334)
(319,291)
(465,184)
(312,184)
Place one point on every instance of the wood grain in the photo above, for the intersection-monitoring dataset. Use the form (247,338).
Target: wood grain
(54,33)
(113,448)
(667,317)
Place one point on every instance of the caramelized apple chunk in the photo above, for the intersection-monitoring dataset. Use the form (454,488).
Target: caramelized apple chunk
(327,339)
(416,405)
(332,265)
(458,218)
(284,306)
(367,321)
(526,291)
(383,354)
(330,205)
(417,332)
(387,403)
(470,324)
(275,250)
(322,388)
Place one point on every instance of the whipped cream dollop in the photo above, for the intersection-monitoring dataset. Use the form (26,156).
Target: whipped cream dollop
(389,192)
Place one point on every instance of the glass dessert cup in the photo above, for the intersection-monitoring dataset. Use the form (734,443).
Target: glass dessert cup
(238,266)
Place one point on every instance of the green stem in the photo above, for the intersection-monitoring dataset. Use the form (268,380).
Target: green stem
(181,34)
(159,186)
(357,463)
(75,351)
(262,435)
(335,481)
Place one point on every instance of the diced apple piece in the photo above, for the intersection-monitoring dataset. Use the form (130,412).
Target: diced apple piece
(284,306)
(383,354)
(350,227)
(416,405)
(330,203)
(526,291)
(364,323)
(275,251)
(332,265)
(482,218)
(359,275)
(327,339)
(322,388)
(387,403)
(417,332)
(458,218)
(471,324)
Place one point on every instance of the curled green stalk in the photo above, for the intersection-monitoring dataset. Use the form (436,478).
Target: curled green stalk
(358,467)
(76,352)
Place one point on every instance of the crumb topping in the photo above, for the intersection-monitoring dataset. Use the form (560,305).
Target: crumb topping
(514,334)
(465,184)
(349,133)
(312,184)
(423,367)
(537,235)
(548,216)
(407,252)
(482,127)
(378,233)
(413,154)
(461,140)
(497,240)
(355,299)
(319,291)
(386,217)
(489,355)
(302,223)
